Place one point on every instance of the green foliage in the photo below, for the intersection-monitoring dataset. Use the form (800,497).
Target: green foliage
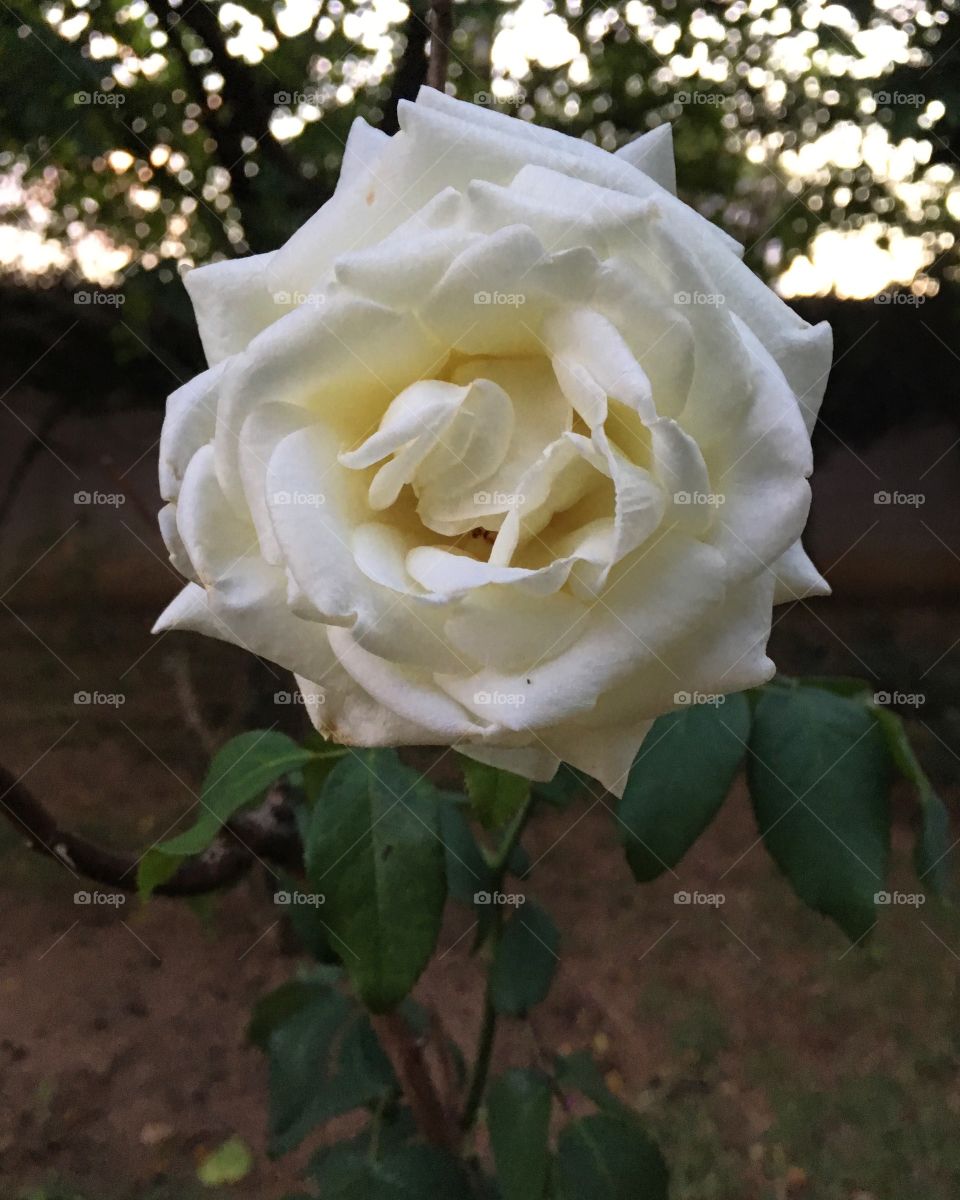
(229,1163)
(819,780)
(468,871)
(375,852)
(324,1060)
(518,1117)
(679,781)
(383,849)
(934,841)
(524,961)
(496,796)
(241,772)
(578,1072)
(605,1157)
(237,149)
(404,1173)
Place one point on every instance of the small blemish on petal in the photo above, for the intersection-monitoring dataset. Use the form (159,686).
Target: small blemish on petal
(370,195)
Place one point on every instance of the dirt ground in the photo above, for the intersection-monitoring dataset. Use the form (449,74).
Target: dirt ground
(770,1059)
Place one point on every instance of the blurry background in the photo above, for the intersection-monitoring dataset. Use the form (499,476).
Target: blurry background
(141,138)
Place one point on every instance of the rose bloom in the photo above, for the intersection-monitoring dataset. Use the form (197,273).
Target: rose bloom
(504,449)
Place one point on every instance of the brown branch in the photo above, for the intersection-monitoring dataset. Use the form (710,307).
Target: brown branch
(441,31)
(260,832)
(411,71)
(402,1047)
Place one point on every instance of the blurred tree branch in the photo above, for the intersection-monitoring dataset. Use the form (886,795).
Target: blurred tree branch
(411,70)
(267,831)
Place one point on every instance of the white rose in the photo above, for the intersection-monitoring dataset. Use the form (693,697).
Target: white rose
(505,448)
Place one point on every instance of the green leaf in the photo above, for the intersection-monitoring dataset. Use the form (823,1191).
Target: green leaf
(679,781)
(324,1060)
(374,850)
(229,1163)
(154,869)
(933,841)
(496,796)
(278,1006)
(401,1173)
(467,870)
(385,1132)
(842,685)
(819,782)
(518,1118)
(578,1072)
(315,772)
(564,787)
(602,1157)
(524,962)
(240,773)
